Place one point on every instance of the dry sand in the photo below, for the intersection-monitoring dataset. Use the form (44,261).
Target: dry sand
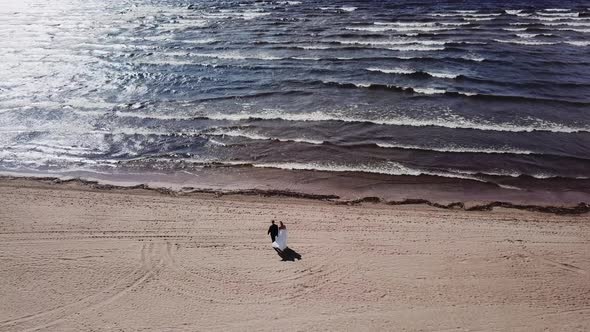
(77,259)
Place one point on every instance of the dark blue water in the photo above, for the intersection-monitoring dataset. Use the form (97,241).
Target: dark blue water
(460,90)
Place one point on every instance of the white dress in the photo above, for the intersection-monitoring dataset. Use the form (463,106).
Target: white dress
(281,240)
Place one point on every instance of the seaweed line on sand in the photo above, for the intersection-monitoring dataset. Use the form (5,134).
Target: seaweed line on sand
(580,208)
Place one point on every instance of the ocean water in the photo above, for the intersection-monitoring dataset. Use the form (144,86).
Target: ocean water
(481,91)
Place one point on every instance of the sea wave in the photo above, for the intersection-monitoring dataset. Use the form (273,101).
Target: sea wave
(464,14)
(573,24)
(514,174)
(578,42)
(306,58)
(421,48)
(388,42)
(348,8)
(457,149)
(451,121)
(443,75)
(404,71)
(314,47)
(393,71)
(527,35)
(574,29)
(256,136)
(290,3)
(473,58)
(523,42)
(478,18)
(418,90)
(237,56)
(383,28)
(557,18)
(559,14)
(420,24)
(557,9)
(397,45)
(429,91)
(445,149)
(389,168)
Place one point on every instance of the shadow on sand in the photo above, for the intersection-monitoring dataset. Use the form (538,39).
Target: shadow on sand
(288,254)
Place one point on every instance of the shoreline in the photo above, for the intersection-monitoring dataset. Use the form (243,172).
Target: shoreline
(468,206)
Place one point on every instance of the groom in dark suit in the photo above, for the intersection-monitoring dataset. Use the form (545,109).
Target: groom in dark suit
(273,230)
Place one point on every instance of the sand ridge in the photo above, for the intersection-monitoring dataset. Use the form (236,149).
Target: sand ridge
(74,258)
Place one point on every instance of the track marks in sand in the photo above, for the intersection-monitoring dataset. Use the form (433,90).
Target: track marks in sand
(149,266)
(202,280)
(563,266)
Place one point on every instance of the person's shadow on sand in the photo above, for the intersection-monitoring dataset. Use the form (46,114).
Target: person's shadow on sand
(288,254)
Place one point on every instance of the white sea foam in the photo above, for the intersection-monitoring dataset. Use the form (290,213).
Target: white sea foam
(573,24)
(527,35)
(513,12)
(421,48)
(389,42)
(558,18)
(314,47)
(348,8)
(574,29)
(237,56)
(405,71)
(200,41)
(457,149)
(146,116)
(255,136)
(393,70)
(383,28)
(557,9)
(514,29)
(429,91)
(452,121)
(389,168)
(407,24)
(505,186)
(398,45)
(523,42)
(442,75)
(449,148)
(465,14)
(558,14)
(473,58)
(454,23)
(306,58)
(578,42)
(478,18)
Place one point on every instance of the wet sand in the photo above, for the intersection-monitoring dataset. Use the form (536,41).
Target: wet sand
(78,258)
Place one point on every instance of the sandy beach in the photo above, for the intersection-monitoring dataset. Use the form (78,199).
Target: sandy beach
(75,258)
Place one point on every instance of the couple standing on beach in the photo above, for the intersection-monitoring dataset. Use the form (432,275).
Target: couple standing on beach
(278,235)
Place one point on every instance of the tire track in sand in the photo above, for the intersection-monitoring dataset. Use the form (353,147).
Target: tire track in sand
(150,265)
(226,287)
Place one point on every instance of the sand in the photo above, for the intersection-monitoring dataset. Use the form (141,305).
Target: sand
(74,258)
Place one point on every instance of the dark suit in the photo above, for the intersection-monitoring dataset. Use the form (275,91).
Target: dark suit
(273,230)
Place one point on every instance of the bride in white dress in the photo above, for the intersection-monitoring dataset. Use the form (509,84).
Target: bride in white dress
(281,240)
